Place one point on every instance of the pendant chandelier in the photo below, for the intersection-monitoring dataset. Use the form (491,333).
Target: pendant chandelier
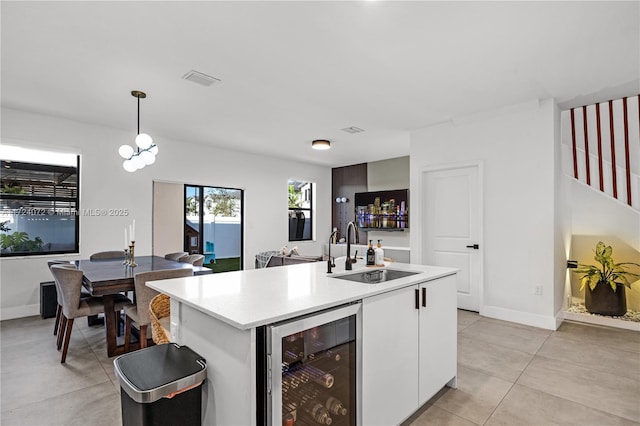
(145,152)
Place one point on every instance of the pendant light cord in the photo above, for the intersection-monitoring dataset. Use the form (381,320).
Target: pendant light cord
(138,113)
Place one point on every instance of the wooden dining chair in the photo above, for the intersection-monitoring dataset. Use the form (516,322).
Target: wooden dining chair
(175,256)
(194,259)
(75,306)
(108,255)
(137,315)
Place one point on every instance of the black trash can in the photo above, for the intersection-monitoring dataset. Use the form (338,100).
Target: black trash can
(161,385)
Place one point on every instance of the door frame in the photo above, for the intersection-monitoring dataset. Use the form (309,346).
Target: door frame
(417,213)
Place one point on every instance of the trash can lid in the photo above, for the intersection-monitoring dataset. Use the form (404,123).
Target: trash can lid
(159,371)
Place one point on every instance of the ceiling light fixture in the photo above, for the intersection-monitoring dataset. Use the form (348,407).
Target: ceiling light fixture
(321,144)
(145,153)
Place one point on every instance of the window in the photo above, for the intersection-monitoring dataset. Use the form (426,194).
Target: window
(213,226)
(38,203)
(300,210)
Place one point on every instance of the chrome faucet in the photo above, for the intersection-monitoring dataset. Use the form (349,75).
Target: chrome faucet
(348,263)
(330,263)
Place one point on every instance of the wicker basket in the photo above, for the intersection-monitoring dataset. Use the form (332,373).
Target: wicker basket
(159,307)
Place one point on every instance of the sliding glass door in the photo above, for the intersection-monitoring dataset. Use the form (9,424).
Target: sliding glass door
(213,226)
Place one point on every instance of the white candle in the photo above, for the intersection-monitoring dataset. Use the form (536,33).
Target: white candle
(133,231)
(130,233)
(126,242)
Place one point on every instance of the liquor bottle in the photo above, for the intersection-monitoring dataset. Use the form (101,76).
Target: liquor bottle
(335,406)
(379,255)
(371,254)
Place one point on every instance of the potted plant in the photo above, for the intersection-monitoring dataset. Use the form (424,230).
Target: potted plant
(604,285)
(19,242)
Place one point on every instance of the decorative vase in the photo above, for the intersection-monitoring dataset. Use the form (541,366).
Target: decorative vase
(604,301)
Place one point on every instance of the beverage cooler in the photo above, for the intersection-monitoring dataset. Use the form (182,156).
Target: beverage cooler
(311,370)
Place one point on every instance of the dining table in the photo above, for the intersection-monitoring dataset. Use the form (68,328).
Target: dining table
(109,277)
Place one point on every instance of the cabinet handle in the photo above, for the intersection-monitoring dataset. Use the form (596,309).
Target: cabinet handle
(417,299)
(424,297)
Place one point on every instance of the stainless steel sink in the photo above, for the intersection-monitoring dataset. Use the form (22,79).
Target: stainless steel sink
(376,276)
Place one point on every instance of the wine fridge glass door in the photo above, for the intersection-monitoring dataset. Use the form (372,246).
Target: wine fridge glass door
(314,369)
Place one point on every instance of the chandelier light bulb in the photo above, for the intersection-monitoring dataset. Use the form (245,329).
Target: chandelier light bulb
(154,149)
(129,166)
(144,141)
(137,162)
(125,151)
(147,157)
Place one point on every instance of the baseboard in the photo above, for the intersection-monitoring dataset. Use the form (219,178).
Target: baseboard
(598,320)
(525,318)
(560,316)
(19,312)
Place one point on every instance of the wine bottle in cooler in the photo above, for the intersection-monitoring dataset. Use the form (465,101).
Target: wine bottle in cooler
(333,355)
(322,378)
(335,406)
(318,412)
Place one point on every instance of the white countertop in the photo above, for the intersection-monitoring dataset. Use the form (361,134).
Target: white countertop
(252,298)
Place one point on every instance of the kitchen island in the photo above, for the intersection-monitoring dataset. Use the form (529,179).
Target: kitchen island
(221,316)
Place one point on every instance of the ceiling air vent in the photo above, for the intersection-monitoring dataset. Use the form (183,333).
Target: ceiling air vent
(352,129)
(200,78)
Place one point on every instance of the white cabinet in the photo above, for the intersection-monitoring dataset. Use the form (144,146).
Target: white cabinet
(389,357)
(409,352)
(438,336)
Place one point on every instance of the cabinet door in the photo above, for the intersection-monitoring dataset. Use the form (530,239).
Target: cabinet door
(438,336)
(389,357)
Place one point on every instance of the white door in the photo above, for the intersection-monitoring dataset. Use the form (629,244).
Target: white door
(451,227)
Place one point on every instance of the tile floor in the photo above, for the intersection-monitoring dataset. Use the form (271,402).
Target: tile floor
(508,374)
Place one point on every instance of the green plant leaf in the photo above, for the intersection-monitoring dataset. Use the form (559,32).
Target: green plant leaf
(609,272)
(593,281)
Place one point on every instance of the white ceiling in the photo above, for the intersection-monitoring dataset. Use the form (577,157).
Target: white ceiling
(296,71)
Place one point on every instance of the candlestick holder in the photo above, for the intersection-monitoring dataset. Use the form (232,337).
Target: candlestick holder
(132,261)
(126,257)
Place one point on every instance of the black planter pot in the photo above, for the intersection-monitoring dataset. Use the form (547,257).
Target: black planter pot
(604,301)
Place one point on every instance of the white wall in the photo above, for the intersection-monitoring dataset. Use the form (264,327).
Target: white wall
(105,184)
(595,213)
(518,148)
(168,218)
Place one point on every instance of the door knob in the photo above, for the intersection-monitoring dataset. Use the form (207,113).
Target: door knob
(475,246)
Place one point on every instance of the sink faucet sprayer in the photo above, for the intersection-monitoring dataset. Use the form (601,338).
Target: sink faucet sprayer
(330,263)
(349,261)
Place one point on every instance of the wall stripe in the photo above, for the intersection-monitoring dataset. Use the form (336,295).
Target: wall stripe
(600,173)
(627,161)
(613,152)
(573,141)
(586,144)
